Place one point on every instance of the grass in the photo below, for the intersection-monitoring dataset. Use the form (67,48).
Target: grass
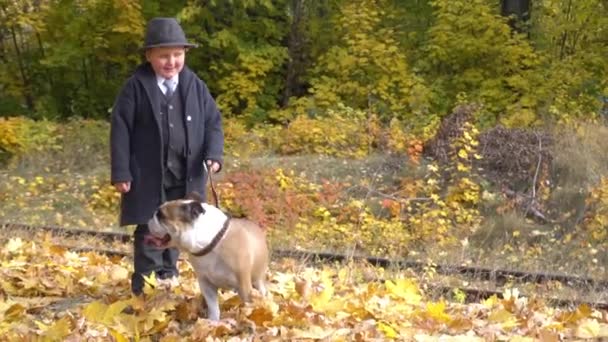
(69,186)
(504,241)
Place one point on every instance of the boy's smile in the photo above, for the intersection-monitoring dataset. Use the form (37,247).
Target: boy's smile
(166,61)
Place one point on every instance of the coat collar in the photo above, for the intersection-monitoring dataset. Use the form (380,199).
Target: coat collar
(147,78)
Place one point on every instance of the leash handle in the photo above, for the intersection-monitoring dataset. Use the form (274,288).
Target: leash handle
(215,196)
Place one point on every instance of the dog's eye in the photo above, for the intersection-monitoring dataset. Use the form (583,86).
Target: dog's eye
(193,210)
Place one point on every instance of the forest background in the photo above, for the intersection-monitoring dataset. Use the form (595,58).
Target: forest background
(419,129)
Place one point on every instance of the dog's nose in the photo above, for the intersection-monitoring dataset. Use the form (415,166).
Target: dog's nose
(160,215)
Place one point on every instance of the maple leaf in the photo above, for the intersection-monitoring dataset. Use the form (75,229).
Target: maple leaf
(582,312)
(388,330)
(115,309)
(118,273)
(95,311)
(436,311)
(58,330)
(152,318)
(491,302)
(446,338)
(14,245)
(504,317)
(203,329)
(319,301)
(313,332)
(150,284)
(405,289)
(261,315)
(30,283)
(118,336)
(187,310)
(591,328)
(108,315)
(292,313)
(13,312)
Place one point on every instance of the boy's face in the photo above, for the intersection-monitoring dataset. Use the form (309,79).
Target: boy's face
(166,61)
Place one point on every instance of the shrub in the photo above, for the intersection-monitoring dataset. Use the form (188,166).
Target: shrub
(20,136)
(10,142)
(241,141)
(269,196)
(343,132)
(85,144)
(76,145)
(579,164)
(596,217)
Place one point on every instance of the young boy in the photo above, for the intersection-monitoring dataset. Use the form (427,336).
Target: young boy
(165,125)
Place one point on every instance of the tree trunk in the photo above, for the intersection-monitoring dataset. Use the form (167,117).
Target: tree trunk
(29,100)
(519,8)
(294,48)
(518,12)
(564,38)
(43,55)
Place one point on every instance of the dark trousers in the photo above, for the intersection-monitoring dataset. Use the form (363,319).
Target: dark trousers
(147,258)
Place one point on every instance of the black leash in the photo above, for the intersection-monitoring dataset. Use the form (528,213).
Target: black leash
(215,196)
(220,234)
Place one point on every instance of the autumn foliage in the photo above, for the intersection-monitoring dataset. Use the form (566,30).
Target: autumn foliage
(66,296)
(416,129)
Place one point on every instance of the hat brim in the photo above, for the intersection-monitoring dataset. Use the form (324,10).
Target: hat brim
(186,45)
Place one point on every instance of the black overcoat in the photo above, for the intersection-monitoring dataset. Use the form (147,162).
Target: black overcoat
(136,145)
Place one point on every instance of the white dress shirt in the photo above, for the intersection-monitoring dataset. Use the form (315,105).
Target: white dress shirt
(161,83)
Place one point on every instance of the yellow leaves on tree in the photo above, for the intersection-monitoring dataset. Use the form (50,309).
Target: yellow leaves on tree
(596,218)
(342,132)
(366,69)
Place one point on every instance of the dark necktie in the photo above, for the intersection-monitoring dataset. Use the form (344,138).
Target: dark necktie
(169,92)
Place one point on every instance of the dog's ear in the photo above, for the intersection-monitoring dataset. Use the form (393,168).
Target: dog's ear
(195,196)
(195,209)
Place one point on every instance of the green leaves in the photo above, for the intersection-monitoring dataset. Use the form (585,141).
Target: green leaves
(241,53)
(366,68)
(471,49)
(270,61)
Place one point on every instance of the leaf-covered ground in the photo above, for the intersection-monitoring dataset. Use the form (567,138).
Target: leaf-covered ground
(49,293)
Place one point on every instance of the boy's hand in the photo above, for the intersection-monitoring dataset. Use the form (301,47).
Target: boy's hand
(213,166)
(122,187)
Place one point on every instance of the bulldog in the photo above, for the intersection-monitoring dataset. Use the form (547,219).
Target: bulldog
(227,253)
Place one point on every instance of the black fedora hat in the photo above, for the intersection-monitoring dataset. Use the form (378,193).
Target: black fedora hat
(165,32)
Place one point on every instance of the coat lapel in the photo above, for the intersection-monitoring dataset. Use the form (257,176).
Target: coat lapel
(148,80)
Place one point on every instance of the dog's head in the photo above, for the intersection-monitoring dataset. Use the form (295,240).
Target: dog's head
(173,219)
(188,224)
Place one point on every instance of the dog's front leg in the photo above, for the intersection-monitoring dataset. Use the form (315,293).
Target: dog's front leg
(259,285)
(209,292)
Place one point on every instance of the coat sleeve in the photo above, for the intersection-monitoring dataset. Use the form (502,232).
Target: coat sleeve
(214,133)
(123,114)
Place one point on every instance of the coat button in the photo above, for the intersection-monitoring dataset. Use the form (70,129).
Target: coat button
(188,118)
(190,179)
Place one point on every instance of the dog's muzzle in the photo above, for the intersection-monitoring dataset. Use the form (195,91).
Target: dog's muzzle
(154,239)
